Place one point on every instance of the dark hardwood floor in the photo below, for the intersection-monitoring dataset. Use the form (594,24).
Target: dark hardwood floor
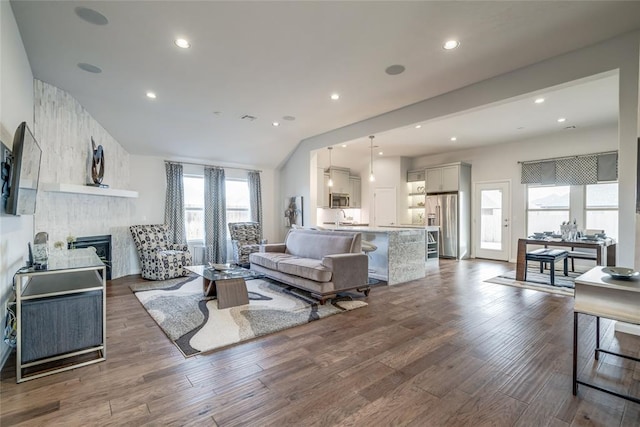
(446,350)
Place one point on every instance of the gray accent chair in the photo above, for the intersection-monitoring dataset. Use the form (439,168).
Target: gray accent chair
(245,240)
(159,259)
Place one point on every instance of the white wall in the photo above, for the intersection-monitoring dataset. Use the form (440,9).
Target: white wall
(16,106)
(621,53)
(500,162)
(148,178)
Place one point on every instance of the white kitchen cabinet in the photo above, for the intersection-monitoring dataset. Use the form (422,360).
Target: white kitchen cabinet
(355,195)
(443,178)
(340,177)
(322,190)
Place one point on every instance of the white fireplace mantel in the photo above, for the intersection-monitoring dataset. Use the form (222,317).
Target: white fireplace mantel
(87,189)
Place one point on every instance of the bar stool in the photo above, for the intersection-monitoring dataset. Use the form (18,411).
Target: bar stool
(367,248)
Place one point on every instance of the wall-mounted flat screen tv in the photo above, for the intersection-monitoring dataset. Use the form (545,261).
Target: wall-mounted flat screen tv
(25,171)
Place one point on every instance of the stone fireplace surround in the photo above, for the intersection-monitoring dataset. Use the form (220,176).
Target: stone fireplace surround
(64,129)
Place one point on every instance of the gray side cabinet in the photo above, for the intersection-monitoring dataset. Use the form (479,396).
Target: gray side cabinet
(61,320)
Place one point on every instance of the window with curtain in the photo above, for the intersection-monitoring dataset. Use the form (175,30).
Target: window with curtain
(594,206)
(237,206)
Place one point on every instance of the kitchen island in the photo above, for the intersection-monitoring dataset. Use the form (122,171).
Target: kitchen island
(400,256)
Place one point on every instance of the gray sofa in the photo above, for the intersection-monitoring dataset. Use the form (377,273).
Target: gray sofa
(321,262)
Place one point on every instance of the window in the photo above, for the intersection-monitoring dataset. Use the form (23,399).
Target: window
(237,210)
(237,200)
(594,206)
(194,207)
(601,203)
(547,208)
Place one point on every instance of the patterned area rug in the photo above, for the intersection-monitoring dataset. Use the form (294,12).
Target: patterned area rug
(195,324)
(539,281)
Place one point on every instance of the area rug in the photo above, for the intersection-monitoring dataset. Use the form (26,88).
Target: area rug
(539,281)
(195,324)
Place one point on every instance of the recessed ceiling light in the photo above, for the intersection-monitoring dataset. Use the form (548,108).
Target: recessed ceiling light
(344,145)
(380,153)
(89,68)
(539,100)
(562,120)
(453,138)
(418,126)
(394,70)
(288,118)
(91,16)
(151,95)
(182,43)
(276,124)
(451,44)
(335,96)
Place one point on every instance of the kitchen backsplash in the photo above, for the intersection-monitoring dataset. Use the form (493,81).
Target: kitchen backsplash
(329,215)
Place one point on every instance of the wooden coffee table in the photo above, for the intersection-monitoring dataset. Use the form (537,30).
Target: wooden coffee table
(227,286)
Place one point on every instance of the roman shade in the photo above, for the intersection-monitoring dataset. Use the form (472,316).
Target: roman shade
(577,170)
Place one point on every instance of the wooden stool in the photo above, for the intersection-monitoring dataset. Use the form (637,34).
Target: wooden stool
(547,255)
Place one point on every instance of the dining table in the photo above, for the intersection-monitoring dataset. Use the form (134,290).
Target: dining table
(605,250)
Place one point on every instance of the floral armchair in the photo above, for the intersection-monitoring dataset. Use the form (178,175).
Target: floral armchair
(159,259)
(245,239)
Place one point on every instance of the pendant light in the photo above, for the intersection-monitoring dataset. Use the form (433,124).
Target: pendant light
(371,176)
(330,183)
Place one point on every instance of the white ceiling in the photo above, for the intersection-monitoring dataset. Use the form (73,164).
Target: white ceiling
(590,103)
(273,59)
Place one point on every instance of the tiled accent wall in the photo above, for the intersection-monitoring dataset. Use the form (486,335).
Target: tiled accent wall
(63,128)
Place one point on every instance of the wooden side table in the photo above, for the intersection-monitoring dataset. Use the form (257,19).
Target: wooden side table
(598,294)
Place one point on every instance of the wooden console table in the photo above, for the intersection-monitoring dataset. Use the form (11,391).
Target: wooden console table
(605,250)
(599,295)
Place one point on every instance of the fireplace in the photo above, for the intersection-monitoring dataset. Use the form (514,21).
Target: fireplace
(102,245)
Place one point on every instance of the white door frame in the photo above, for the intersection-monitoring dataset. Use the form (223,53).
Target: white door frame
(505,254)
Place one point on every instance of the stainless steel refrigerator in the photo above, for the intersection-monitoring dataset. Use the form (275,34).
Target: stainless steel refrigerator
(442,210)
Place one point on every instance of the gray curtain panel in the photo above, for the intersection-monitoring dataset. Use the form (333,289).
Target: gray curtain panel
(608,167)
(255,198)
(215,215)
(174,203)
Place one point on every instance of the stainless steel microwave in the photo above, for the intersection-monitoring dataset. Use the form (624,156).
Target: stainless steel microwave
(338,200)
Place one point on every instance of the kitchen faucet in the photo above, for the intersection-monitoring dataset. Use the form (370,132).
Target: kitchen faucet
(338,216)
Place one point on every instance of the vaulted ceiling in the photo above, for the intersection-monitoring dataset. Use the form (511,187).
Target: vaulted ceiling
(281,62)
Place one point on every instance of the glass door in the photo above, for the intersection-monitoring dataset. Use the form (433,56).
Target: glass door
(493,228)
